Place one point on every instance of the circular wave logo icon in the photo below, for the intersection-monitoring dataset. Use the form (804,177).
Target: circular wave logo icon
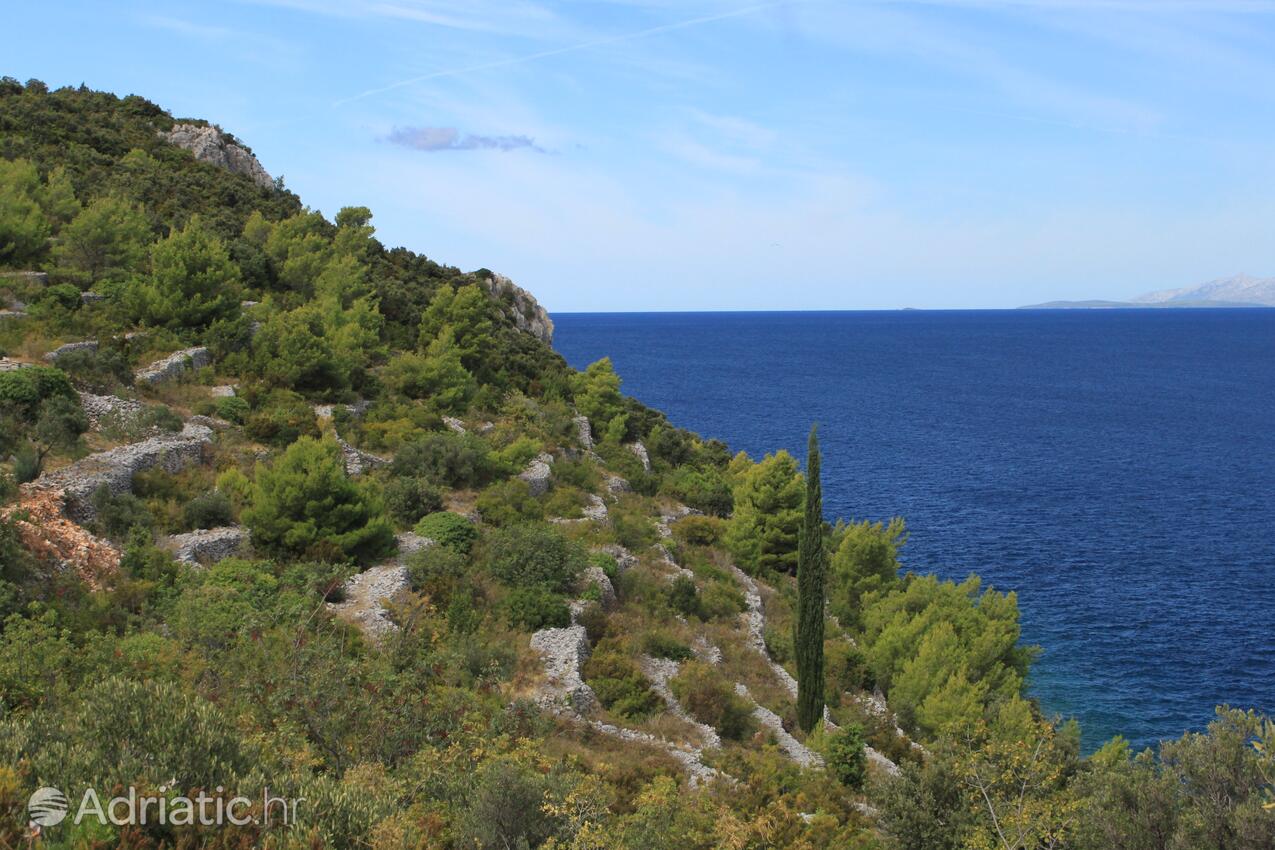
(47,807)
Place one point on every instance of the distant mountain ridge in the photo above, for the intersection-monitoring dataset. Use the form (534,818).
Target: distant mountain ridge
(1242,290)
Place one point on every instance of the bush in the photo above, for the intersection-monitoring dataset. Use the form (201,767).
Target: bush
(117,514)
(698,531)
(101,371)
(683,596)
(305,500)
(846,668)
(280,418)
(535,608)
(509,503)
(535,555)
(664,645)
(706,490)
(444,457)
(619,684)
(409,499)
(23,390)
(232,409)
(450,530)
(708,698)
(607,563)
(211,510)
(721,600)
(162,417)
(436,571)
(845,756)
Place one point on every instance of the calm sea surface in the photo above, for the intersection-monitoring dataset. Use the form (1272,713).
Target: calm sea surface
(1116,468)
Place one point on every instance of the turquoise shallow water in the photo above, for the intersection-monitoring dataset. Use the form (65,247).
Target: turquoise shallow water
(1116,468)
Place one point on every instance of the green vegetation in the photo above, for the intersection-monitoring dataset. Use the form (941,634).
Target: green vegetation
(808,637)
(304,504)
(444,726)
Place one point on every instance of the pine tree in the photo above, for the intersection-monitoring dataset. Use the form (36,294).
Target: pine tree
(810,597)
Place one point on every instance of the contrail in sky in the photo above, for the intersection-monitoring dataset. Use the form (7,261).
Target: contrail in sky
(558,51)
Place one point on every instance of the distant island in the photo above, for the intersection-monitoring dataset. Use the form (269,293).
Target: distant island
(1239,291)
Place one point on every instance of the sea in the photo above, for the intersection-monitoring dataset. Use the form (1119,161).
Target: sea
(1116,469)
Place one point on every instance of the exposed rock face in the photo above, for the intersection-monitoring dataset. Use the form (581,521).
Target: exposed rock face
(584,432)
(642,455)
(210,145)
(616,485)
(455,424)
(538,474)
(83,345)
(596,510)
(174,365)
(521,307)
(207,546)
(565,651)
(115,468)
(45,530)
(223,391)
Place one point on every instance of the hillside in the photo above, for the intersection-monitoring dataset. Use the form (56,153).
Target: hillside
(1239,291)
(289,512)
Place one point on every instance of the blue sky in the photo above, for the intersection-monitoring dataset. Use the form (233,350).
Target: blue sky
(706,154)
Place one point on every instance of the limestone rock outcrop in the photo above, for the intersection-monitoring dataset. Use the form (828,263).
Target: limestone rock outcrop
(521,307)
(538,474)
(211,145)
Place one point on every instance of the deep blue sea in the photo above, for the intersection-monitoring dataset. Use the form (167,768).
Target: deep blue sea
(1115,468)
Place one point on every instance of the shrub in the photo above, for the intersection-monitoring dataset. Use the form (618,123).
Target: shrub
(607,563)
(845,756)
(450,530)
(664,645)
(534,608)
(698,531)
(846,668)
(633,530)
(409,499)
(683,596)
(619,684)
(22,390)
(720,600)
(706,490)
(118,513)
(708,698)
(509,503)
(455,460)
(280,417)
(535,555)
(595,621)
(211,510)
(162,417)
(306,499)
(101,371)
(436,571)
(232,409)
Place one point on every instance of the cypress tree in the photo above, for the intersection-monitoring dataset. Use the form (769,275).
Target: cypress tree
(811,566)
